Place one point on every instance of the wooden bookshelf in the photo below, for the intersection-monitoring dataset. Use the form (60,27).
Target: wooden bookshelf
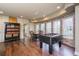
(12,31)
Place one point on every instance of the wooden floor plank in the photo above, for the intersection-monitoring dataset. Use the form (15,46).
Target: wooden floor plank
(27,48)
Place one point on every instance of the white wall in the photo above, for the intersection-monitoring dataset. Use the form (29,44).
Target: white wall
(22,22)
(77,30)
(4,18)
(29,27)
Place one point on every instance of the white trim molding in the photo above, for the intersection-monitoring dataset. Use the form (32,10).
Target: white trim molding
(76,53)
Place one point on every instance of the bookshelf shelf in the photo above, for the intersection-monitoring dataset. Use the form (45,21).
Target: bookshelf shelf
(12,31)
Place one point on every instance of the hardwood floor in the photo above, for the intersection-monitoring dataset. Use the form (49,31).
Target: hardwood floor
(27,48)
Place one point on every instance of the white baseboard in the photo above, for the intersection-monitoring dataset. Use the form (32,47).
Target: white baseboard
(77,53)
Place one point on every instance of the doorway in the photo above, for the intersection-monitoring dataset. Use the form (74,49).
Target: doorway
(25,32)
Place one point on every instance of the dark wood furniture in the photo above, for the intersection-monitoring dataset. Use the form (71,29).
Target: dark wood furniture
(34,37)
(50,40)
(12,31)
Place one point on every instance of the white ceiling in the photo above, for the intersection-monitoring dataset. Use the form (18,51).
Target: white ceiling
(29,10)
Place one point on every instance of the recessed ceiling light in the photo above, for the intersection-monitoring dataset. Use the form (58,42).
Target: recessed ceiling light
(21,16)
(58,7)
(1,12)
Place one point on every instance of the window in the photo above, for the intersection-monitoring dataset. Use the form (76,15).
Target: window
(68,27)
(48,27)
(56,26)
(37,28)
(43,27)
